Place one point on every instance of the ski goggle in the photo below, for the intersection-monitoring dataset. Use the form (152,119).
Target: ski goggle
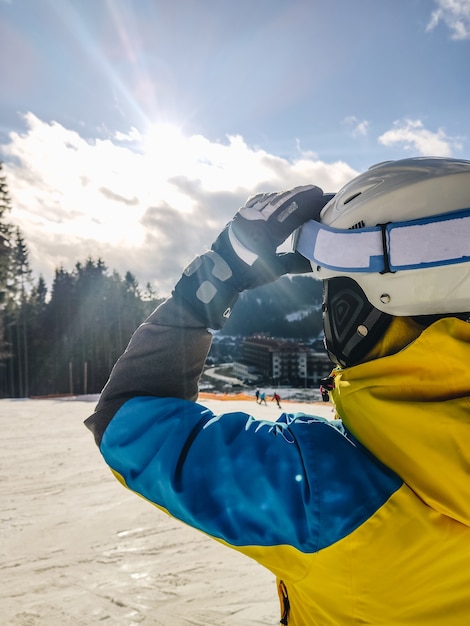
(414,244)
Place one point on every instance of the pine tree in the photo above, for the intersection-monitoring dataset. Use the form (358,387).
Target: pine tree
(21,280)
(6,231)
(38,344)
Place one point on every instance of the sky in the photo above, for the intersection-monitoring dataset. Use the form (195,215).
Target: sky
(133,130)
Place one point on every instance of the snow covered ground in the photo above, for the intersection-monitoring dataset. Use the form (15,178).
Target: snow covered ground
(77,549)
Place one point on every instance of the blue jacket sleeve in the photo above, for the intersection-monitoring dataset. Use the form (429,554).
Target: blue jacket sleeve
(244,481)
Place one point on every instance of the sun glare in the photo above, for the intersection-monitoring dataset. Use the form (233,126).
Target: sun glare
(162,139)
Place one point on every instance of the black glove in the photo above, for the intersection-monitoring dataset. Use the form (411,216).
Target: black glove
(244,255)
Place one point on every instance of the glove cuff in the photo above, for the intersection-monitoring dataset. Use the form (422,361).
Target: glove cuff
(206,288)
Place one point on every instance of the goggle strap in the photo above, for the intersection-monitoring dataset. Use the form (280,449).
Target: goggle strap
(399,246)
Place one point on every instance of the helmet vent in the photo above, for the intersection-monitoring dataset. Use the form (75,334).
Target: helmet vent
(358,225)
(352,197)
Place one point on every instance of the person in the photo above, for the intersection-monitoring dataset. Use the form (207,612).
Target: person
(362,520)
(257,396)
(262,398)
(277,398)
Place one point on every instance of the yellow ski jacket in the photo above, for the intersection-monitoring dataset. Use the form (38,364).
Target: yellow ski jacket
(362,521)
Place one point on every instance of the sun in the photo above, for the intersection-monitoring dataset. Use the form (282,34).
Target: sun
(162,139)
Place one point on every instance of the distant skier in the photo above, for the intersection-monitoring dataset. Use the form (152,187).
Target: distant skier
(363,520)
(277,399)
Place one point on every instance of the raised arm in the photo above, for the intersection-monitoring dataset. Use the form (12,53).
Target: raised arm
(166,354)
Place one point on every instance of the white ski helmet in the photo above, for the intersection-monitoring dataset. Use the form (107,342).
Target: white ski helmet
(395,241)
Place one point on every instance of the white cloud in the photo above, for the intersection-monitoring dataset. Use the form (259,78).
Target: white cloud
(455,14)
(413,136)
(309,154)
(146,204)
(132,135)
(357,127)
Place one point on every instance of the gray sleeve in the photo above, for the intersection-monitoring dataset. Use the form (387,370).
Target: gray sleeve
(165,357)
